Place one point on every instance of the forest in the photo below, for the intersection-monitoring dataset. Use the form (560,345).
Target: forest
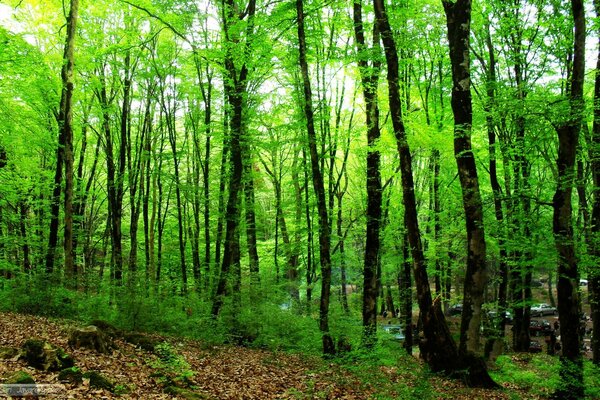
(413,183)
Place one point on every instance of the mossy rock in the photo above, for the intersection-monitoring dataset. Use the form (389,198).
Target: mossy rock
(19,378)
(98,381)
(107,328)
(8,352)
(45,356)
(140,340)
(91,337)
(71,375)
(186,393)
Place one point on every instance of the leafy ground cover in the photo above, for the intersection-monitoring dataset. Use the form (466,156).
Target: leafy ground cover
(192,369)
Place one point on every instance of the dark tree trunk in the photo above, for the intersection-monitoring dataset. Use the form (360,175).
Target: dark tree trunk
(310,263)
(206,180)
(236,90)
(319,188)
(406,300)
(458,21)
(438,347)
(249,201)
(567,286)
(222,193)
(23,210)
(181,231)
(370,79)
(65,120)
(490,109)
(113,184)
(594,276)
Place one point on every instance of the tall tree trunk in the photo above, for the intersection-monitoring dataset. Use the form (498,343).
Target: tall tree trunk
(249,201)
(236,90)
(594,276)
(319,188)
(23,211)
(370,82)
(490,108)
(459,21)
(180,205)
(65,121)
(438,348)
(406,300)
(113,184)
(310,262)
(206,180)
(568,298)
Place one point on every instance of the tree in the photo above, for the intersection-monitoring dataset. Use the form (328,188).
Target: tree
(595,160)
(318,186)
(370,79)
(65,122)
(236,81)
(568,298)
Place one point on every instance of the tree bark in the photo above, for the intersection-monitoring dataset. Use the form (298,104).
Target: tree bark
(438,347)
(458,16)
(594,276)
(370,82)
(567,286)
(319,188)
(236,90)
(65,121)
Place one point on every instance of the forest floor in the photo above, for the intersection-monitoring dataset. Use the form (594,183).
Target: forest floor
(228,372)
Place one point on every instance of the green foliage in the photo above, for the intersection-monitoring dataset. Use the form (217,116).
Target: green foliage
(34,295)
(267,325)
(172,369)
(591,380)
(538,373)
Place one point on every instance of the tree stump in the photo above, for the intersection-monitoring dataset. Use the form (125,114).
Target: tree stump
(92,338)
(45,356)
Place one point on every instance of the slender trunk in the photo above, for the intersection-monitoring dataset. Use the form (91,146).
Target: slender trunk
(405,287)
(594,276)
(310,263)
(439,348)
(181,229)
(458,22)
(249,201)
(490,108)
(206,182)
(23,211)
(370,80)
(65,120)
(319,188)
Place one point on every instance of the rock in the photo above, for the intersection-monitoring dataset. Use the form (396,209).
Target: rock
(8,352)
(18,378)
(71,375)
(45,356)
(107,328)
(91,337)
(139,340)
(98,381)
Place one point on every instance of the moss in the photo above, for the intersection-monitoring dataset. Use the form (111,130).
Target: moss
(19,377)
(186,393)
(44,356)
(71,375)
(8,352)
(91,337)
(98,381)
